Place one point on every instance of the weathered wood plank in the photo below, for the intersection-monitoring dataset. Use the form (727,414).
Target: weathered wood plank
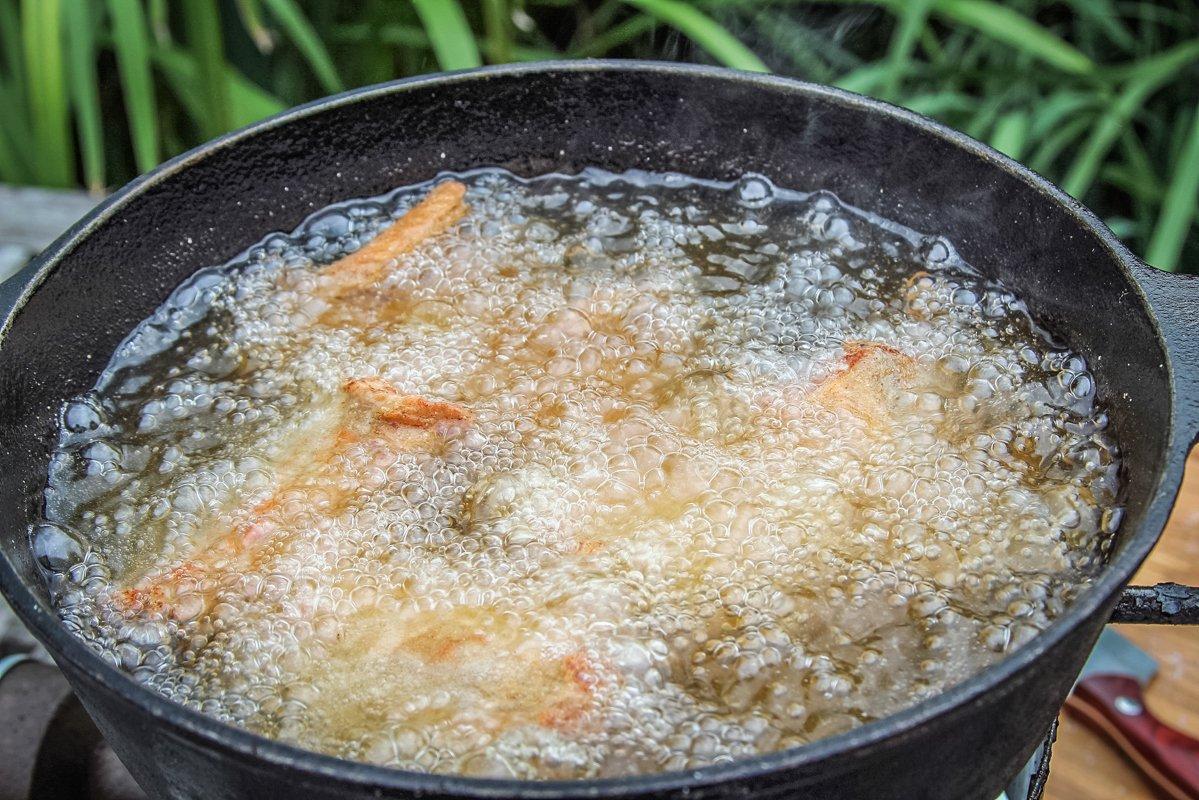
(1085,766)
(31,218)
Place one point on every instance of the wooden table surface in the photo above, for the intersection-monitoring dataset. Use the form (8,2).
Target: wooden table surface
(1084,765)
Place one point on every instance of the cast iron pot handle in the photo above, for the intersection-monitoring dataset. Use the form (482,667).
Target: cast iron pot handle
(1174,300)
(1163,604)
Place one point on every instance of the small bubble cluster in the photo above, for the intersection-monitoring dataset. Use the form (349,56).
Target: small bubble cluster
(746,468)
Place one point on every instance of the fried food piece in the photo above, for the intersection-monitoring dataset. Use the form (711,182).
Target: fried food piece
(441,207)
(499,677)
(862,385)
(393,408)
(396,422)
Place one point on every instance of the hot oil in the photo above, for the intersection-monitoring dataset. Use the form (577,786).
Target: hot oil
(745,468)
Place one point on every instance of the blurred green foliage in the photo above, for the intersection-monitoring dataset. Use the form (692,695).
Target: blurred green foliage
(1102,96)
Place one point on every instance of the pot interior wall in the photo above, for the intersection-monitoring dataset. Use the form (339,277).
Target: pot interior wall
(213,208)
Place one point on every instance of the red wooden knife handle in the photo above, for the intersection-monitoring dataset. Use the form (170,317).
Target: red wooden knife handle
(1115,706)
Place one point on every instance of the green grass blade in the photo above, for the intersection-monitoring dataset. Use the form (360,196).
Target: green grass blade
(615,36)
(449,33)
(1009,26)
(1141,165)
(132,45)
(12,170)
(1052,146)
(304,37)
(1130,181)
(363,66)
(931,44)
(811,53)
(85,92)
(828,48)
(1010,135)
(1104,15)
(789,40)
(534,53)
(1049,113)
(202,22)
(1139,179)
(411,38)
(1001,23)
(17,124)
(15,157)
(159,13)
(497,20)
(1180,132)
(938,104)
(250,14)
(1168,61)
(1123,227)
(912,22)
(1157,14)
(407,36)
(703,31)
(864,80)
(602,17)
(1149,76)
(1178,206)
(42,37)
(247,101)
(10,46)
(987,113)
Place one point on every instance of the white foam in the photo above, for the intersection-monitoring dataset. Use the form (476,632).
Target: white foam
(672,535)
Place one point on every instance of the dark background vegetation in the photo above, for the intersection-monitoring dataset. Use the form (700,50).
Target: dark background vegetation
(1102,96)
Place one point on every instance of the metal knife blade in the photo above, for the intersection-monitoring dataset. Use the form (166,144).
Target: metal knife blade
(1115,655)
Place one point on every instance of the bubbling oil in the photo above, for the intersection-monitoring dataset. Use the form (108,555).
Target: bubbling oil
(745,468)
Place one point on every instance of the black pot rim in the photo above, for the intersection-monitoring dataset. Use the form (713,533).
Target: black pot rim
(243,744)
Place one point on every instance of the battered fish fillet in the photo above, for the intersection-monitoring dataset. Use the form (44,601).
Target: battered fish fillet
(393,422)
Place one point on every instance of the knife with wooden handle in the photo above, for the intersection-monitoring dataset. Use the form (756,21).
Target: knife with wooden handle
(1109,697)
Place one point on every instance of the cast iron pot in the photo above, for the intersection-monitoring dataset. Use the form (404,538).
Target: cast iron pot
(64,315)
